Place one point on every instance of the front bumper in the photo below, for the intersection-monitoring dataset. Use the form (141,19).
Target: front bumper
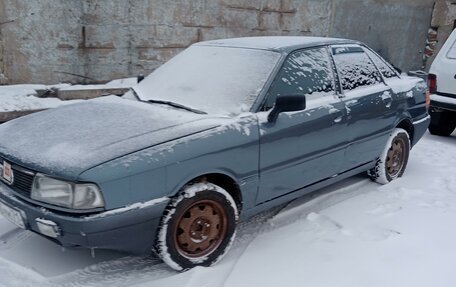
(443,102)
(130,230)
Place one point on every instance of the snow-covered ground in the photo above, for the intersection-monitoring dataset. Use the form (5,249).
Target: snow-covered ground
(24,97)
(114,84)
(355,233)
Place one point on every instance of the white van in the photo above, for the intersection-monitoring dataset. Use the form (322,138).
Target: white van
(442,85)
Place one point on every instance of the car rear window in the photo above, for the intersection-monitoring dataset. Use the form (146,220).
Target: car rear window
(354,67)
(306,72)
(386,70)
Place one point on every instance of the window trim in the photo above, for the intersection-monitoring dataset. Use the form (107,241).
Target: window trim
(339,90)
(260,107)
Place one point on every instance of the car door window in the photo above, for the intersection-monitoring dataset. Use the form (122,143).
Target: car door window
(305,72)
(354,67)
(386,70)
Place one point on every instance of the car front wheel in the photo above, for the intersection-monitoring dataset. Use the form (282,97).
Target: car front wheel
(394,158)
(198,227)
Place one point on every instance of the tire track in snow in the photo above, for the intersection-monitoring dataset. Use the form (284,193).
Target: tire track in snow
(13,237)
(305,206)
(115,273)
(12,274)
(320,200)
(249,231)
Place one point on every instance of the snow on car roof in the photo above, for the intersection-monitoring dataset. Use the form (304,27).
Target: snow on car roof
(277,43)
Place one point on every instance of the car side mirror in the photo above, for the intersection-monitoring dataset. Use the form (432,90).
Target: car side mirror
(289,103)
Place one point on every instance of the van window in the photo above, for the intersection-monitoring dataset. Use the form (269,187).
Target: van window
(305,72)
(354,67)
(452,52)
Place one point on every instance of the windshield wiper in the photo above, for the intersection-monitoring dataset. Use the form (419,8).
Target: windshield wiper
(176,105)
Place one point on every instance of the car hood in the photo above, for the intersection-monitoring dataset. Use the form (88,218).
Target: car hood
(71,139)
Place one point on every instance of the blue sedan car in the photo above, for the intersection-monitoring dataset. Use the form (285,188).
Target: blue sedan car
(224,130)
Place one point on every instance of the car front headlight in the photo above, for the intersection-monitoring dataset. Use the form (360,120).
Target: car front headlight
(66,194)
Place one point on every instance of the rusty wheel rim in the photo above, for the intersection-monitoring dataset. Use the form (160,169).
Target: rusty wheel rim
(395,157)
(201,229)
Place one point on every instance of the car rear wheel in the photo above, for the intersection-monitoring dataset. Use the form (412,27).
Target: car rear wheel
(442,123)
(198,227)
(394,158)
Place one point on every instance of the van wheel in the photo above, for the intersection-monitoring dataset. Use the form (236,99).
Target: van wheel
(442,123)
(198,227)
(394,158)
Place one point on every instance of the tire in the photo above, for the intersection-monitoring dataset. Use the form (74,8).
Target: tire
(442,123)
(198,227)
(392,162)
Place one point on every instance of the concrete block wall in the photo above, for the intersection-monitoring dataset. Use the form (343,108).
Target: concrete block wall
(397,29)
(3,79)
(90,41)
(41,40)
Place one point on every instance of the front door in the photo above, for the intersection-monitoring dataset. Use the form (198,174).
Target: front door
(304,147)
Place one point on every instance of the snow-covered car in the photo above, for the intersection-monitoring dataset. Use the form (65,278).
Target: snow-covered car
(223,131)
(442,85)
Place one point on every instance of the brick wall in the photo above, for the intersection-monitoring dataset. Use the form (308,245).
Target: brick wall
(96,40)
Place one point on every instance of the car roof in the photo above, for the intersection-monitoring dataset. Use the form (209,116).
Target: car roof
(276,43)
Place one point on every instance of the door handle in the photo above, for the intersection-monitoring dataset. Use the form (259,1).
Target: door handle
(336,114)
(387,99)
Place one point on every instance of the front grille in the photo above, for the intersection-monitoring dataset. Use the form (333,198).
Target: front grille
(23,179)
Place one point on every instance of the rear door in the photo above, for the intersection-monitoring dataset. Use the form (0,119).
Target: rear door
(369,102)
(307,146)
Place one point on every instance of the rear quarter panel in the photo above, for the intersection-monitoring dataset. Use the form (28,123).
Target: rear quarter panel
(410,94)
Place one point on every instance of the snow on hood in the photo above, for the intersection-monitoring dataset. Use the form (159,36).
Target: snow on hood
(68,140)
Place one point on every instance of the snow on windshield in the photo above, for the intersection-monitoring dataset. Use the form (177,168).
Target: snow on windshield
(220,80)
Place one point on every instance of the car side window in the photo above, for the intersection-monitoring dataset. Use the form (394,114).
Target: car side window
(384,68)
(354,67)
(305,72)
(452,51)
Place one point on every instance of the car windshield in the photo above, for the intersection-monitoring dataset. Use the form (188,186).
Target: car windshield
(221,80)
